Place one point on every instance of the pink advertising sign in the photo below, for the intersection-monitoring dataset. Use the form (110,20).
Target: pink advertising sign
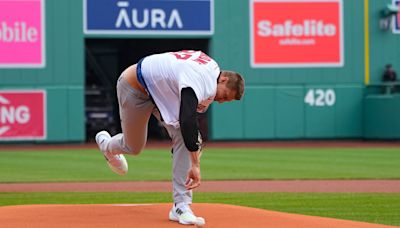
(22,114)
(22,33)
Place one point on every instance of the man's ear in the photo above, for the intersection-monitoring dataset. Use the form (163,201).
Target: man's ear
(223,79)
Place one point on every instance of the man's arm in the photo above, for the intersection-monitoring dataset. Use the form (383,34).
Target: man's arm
(190,133)
(188,119)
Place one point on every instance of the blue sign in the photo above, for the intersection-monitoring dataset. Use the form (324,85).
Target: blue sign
(396,20)
(149,17)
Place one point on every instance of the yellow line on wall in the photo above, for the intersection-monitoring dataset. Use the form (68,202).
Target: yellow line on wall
(366,42)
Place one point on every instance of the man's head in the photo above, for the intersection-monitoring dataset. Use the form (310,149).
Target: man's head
(230,87)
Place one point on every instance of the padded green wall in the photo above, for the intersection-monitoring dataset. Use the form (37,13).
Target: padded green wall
(63,75)
(382,117)
(273,106)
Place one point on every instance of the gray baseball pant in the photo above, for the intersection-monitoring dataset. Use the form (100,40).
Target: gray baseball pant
(135,109)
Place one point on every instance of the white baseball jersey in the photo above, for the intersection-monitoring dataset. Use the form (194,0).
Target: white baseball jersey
(167,74)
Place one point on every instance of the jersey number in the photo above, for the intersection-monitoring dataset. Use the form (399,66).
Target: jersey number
(186,54)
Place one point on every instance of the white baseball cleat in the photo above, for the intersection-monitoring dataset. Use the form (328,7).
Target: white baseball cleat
(117,163)
(184,215)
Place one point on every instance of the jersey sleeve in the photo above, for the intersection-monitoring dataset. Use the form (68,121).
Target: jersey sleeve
(188,119)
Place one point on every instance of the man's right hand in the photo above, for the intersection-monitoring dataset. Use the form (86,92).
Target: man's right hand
(193,178)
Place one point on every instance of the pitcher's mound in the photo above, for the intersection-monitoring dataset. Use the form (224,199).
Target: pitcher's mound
(156,215)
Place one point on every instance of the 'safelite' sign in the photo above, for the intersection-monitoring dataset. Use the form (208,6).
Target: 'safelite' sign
(296,33)
(22,33)
(148,17)
(22,115)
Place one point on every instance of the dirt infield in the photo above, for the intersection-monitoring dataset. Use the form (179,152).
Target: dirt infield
(215,186)
(156,215)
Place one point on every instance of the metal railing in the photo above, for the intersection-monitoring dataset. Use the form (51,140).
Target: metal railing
(386,88)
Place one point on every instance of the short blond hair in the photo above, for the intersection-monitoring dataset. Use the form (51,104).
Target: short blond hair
(235,82)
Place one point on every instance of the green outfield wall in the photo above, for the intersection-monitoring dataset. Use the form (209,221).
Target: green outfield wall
(274,106)
(306,101)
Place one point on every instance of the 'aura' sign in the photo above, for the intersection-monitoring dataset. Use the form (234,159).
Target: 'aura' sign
(148,17)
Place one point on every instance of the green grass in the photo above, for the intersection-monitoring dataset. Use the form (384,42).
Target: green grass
(217,164)
(382,208)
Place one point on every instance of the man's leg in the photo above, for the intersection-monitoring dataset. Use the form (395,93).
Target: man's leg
(181,165)
(181,211)
(135,109)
